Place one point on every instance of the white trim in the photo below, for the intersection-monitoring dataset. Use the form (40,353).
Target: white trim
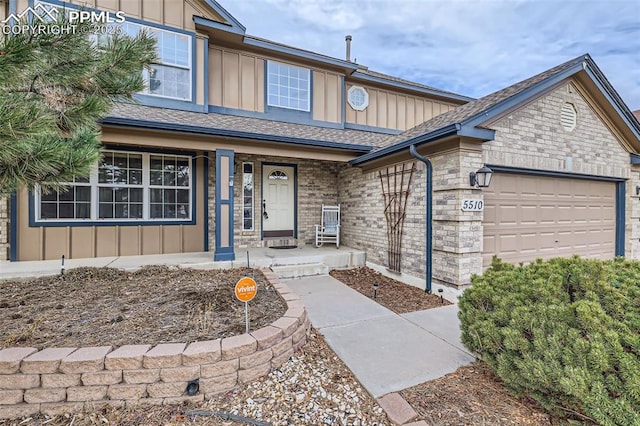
(253,196)
(308,88)
(365,95)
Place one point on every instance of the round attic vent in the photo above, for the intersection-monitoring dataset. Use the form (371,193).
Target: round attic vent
(358,98)
(568,116)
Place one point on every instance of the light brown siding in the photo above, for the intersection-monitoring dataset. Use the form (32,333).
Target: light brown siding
(529,217)
(40,243)
(393,110)
(172,13)
(236,80)
(327,88)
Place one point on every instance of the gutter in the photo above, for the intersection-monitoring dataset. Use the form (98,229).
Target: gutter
(442,132)
(428,199)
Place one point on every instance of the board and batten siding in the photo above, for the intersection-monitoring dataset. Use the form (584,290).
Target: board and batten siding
(236,79)
(393,110)
(83,241)
(172,13)
(327,96)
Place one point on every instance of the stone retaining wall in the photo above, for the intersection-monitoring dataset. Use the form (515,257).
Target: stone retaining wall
(61,380)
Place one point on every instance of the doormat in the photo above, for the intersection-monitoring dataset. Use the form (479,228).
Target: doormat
(283,247)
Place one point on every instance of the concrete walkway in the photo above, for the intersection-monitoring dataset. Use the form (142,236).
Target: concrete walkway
(258,257)
(387,352)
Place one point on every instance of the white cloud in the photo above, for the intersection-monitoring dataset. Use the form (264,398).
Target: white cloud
(472,47)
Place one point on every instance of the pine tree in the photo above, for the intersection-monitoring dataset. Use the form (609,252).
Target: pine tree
(54,88)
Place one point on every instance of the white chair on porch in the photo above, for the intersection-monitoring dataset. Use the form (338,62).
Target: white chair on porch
(329,229)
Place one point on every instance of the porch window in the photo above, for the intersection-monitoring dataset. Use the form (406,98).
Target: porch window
(288,86)
(247,196)
(124,186)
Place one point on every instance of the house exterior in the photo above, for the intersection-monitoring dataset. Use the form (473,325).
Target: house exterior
(237,142)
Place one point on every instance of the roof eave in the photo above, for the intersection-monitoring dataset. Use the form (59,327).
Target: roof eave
(398,84)
(443,132)
(299,53)
(217,7)
(210,131)
(218,26)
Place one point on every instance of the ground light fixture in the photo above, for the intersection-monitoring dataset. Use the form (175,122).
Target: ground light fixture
(375,290)
(193,387)
(481,178)
(441,298)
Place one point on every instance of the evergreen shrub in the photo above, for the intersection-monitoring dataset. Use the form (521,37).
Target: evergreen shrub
(565,332)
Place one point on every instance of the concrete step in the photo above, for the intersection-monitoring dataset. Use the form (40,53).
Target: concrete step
(300,270)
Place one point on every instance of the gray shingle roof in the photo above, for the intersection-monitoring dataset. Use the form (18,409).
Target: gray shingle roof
(445,93)
(473,108)
(248,125)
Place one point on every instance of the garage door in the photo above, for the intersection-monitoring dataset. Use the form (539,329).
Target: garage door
(528,217)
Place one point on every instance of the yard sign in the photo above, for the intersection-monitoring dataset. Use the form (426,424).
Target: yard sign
(246,289)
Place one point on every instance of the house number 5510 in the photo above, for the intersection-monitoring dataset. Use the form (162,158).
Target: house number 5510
(472,205)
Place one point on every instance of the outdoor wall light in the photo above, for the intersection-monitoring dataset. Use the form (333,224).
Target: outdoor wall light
(231,180)
(637,189)
(481,178)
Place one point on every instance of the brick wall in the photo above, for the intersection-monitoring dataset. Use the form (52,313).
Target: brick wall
(60,380)
(317,183)
(4,229)
(533,137)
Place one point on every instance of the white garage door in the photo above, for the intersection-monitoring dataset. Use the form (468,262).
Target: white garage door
(528,217)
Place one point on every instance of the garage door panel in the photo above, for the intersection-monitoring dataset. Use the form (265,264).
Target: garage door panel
(529,217)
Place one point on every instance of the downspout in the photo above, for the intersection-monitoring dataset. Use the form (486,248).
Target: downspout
(429,215)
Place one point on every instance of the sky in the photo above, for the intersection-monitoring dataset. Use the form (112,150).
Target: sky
(470,47)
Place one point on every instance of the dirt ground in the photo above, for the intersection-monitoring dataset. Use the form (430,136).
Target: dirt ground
(392,294)
(106,306)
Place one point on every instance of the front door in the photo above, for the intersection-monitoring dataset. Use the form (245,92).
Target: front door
(278,196)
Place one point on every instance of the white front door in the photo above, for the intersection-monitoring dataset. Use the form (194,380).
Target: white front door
(278,201)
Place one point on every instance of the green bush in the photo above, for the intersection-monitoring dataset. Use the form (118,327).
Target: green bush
(565,332)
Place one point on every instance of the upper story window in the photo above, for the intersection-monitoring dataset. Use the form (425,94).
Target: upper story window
(171,76)
(288,86)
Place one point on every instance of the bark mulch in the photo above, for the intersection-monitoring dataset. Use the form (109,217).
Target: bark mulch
(106,306)
(392,294)
(472,395)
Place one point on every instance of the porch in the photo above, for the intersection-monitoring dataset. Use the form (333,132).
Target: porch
(288,262)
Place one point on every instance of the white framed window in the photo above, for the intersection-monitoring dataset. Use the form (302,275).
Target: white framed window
(278,175)
(125,186)
(288,86)
(247,197)
(358,98)
(171,76)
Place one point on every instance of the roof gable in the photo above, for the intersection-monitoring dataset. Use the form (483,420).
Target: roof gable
(220,19)
(469,119)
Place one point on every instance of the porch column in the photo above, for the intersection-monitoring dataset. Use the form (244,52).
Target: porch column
(224,205)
